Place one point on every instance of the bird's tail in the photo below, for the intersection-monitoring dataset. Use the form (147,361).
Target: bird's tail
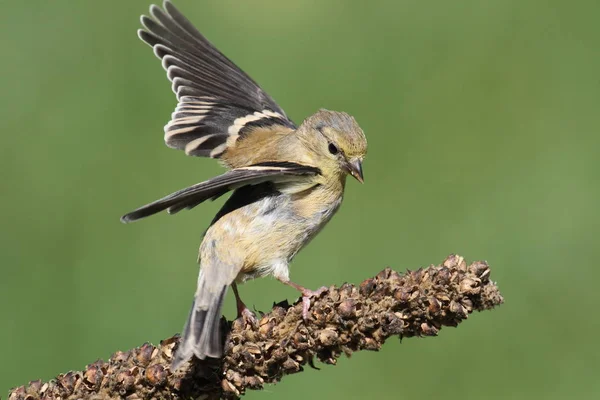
(202,334)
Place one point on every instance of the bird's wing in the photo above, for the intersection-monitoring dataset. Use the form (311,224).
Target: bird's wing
(276,172)
(218,102)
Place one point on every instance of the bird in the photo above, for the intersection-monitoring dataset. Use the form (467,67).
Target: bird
(286,180)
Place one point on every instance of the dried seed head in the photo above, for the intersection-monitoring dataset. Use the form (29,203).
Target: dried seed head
(348,319)
(367,286)
(68,381)
(443,276)
(300,340)
(395,278)
(120,356)
(452,261)
(402,295)
(417,276)
(345,291)
(167,346)
(327,337)
(428,329)
(143,354)
(35,385)
(347,309)
(435,306)
(457,309)
(442,297)
(235,377)
(470,286)
(253,348)
(371,344)
(393,324)
(253,382)
(238,325)
(93,376)
(17,393)
(126,380)
(480,269)
(266,325)
(384,274)
(229,388)
(156,375)
(279,354)
(290,366)
(467,304)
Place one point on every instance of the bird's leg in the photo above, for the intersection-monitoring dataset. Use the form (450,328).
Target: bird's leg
(243,311)
(306,294)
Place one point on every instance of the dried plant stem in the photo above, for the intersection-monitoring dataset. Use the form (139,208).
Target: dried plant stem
(342,320)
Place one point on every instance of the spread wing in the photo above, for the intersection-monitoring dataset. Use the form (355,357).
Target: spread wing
(218,102)
(276,172)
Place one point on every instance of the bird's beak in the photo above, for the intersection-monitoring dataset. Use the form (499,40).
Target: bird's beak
(355,169)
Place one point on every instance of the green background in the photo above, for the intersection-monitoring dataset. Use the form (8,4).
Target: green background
(483,121)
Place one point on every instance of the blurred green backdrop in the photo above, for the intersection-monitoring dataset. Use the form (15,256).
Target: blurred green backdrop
(483,120)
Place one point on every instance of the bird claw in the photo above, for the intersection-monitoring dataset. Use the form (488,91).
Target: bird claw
(244,312)
(306,295)
(248,317)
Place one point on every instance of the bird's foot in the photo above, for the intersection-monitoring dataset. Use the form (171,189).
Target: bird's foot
(248,317)
(306,295)
(243,311)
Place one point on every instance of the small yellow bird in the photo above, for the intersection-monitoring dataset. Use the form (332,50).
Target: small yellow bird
(287,181)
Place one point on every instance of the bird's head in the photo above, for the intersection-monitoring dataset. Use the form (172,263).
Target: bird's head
(337,140)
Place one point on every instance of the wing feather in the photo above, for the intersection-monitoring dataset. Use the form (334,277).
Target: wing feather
(217,100)
(276,172)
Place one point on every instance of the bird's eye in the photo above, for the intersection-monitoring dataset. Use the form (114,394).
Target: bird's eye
(333,149)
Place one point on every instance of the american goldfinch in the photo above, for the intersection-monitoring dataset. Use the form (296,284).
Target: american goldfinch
(287,180)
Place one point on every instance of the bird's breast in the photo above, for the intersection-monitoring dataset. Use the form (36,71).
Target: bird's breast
(316,208)
(269,231)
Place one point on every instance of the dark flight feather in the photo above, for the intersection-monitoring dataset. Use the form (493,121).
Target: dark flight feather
(217,100)
(192,196)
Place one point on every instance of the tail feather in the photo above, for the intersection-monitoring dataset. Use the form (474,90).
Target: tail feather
(202,334)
